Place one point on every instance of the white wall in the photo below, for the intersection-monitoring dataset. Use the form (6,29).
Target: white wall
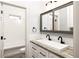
(53,4)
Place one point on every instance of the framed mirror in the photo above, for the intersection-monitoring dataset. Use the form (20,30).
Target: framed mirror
(58,20)
(63,19)
(46,21)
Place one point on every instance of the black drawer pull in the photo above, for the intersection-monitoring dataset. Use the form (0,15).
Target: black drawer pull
(42,54)
(33,48)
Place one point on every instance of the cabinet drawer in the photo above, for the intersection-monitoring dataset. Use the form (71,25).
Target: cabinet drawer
(34,47)
(34,54)
(43,53)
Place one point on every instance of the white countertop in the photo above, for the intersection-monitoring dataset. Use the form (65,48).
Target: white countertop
(68,53)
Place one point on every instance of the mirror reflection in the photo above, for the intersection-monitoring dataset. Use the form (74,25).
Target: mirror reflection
(58,20)
(63,19)
(47,22)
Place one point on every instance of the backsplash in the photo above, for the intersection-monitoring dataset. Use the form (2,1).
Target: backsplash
(67,38)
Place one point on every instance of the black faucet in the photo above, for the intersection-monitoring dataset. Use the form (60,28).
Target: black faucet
(61,40)
(48,37)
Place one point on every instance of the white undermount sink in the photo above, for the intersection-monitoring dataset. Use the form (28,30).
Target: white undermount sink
(55,45)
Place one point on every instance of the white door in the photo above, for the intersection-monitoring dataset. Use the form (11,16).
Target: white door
(14,26)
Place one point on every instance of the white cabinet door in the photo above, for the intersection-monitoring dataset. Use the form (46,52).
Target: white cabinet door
(14,26)
(34,51)
(38,52)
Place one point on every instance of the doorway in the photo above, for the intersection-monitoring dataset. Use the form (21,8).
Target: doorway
(12,27)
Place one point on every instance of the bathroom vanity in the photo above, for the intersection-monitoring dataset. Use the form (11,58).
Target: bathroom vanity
(39,49)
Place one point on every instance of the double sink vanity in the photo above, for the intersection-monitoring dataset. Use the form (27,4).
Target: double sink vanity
(43,48)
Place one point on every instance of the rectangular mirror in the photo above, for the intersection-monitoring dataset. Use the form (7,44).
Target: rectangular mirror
(63,19)
(58,20)
(47,21)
